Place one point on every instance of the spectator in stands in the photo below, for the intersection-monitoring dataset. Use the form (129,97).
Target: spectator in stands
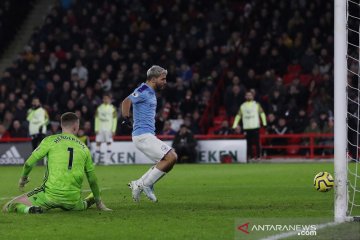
(54,128)
(271,123)
(20,111)
(167,130)
(185,145)
(276,103)
(225,129)
(88,128)
(4,134)
(312,128)
(234,99)
(83,138)
(300,122)
(279,129)
(18,131)
(250,113)
(214,43)
(188,105)
(104,82)
(323,121)
(328,141)
(80,71)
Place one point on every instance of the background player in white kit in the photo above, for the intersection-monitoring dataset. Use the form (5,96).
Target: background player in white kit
(105,125)
(143,101)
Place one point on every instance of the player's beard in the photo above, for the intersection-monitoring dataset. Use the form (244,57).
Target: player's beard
(160,87)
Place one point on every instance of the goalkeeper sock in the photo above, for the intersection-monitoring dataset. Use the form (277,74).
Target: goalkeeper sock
(153,176)
(18,208)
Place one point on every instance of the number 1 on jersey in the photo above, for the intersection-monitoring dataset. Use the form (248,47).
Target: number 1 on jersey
(71,157)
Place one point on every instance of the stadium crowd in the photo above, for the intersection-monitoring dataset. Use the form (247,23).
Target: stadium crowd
(11,16)
(281,49)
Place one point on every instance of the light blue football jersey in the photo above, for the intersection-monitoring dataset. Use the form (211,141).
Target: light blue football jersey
(144,109)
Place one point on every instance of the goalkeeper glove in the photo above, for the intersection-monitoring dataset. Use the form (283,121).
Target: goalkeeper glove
(126,122)
(101,206)
(22,182)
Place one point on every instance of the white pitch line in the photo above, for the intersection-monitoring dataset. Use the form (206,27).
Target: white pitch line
(85,190)
(102,189)
(293,233)
(6,198)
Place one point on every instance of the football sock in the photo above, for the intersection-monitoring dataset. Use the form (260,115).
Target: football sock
(97,152)
(108,152)
(141,180)
(152,177)
(18,208)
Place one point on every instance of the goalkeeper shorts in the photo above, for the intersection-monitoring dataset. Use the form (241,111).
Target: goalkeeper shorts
(37,197)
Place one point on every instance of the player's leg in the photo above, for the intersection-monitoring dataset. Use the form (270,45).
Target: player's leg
(257,143)
(157,172)
(81,205)
(22,204)
(109,140)
(98,140)
(248,144)
(161,153)
(34,141)
(167,163)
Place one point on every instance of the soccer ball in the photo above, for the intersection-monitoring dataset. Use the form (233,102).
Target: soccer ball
(323,182)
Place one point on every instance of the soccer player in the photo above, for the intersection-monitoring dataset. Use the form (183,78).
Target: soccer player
(105,124)
(143,101)
(38,119)
(68,161)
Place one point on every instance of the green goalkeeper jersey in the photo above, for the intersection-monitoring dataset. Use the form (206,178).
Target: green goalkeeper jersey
(68,160)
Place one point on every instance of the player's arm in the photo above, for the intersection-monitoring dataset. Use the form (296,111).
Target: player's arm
(125,107)
(125,112)
(46,120)
(44,123)
(93,183)
(237,119)
(114,121)
(97,121)
(262,115)
(39,153)
(29,115)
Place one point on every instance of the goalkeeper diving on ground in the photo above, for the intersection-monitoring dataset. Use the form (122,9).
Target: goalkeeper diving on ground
(68,160)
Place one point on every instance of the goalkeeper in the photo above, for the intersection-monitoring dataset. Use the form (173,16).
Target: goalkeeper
(68,161)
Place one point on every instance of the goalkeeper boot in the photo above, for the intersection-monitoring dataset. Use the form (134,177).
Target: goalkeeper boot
(149,192)
(35,210)
(135,190)
(90,200)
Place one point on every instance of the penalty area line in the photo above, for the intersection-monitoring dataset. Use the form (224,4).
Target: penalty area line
(294,233)
(6,198)
(101,189)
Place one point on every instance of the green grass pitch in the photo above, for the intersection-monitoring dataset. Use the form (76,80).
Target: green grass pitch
(195,202)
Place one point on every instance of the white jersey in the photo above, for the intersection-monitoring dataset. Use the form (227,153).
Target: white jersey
(105,118)
(38,119)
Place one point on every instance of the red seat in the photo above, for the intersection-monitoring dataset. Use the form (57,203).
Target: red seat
(288,78)
(212,130)
(305,79)
(294,69)
(292,150)
(218,120)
